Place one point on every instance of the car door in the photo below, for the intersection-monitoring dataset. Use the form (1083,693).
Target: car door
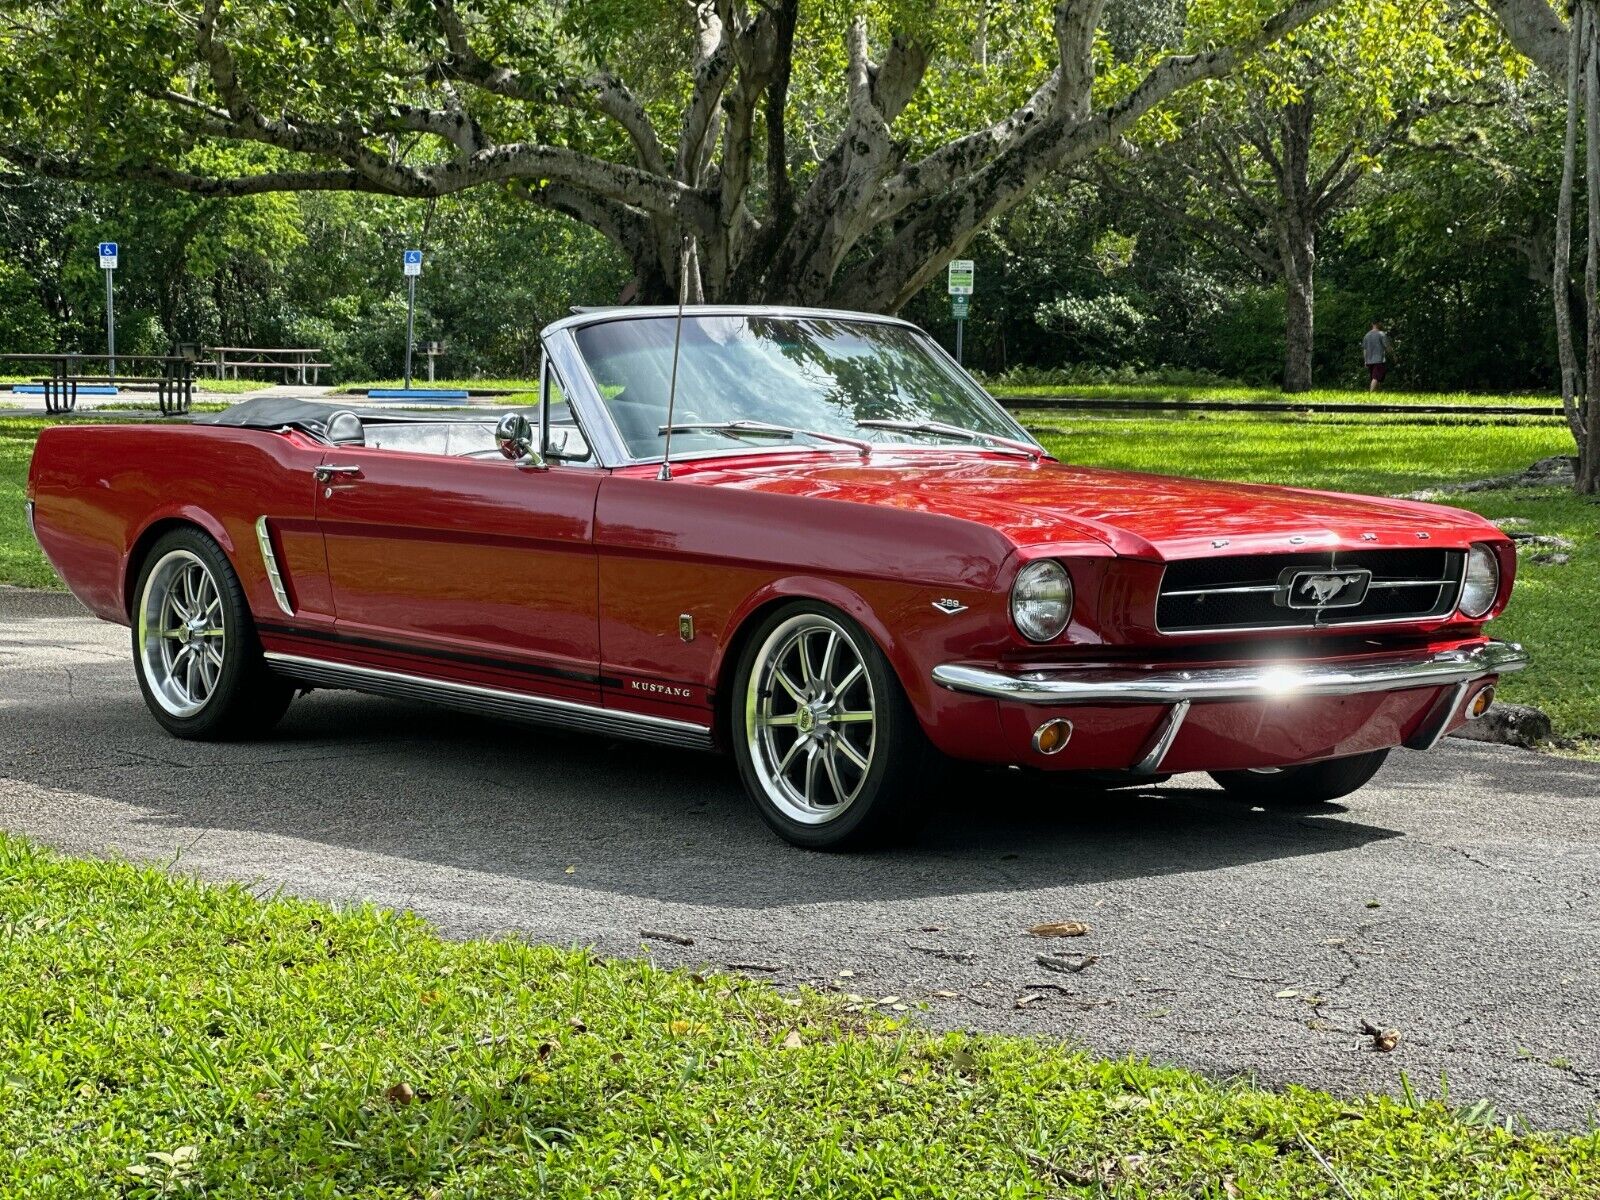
(469,569)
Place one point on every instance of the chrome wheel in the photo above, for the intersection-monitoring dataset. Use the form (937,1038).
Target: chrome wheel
(183,638)
(811,719)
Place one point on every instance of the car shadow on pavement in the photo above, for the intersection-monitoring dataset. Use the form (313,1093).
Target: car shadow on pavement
(420,784)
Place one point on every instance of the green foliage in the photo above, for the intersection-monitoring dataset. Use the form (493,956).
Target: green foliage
(25,326)
(162,1037)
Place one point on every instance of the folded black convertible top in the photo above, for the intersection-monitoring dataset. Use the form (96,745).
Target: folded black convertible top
(272,412)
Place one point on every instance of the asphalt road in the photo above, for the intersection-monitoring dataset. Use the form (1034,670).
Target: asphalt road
(1452,900)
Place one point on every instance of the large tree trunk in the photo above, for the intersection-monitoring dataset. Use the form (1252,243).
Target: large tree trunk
(1300,308)
(1297,238)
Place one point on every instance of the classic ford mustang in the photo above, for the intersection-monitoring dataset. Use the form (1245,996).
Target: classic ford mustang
(805,537)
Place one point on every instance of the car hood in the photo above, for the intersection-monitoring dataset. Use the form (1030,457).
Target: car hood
(1137,515)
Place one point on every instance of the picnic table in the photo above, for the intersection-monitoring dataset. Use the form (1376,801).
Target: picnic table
(172,379)
(293,361)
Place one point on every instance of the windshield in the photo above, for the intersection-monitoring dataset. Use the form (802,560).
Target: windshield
(822,374)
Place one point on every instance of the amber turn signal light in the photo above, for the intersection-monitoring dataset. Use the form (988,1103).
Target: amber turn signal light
(1052,737)
(1481,703)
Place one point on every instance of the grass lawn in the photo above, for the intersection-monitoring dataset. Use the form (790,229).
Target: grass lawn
(228,387)
(163,1038)
(1236,394)
(199,406)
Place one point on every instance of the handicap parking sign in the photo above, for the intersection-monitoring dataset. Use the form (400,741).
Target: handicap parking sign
(108,255)
(413,261)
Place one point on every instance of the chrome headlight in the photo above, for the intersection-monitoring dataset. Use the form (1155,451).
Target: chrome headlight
(1041,600)
(1482,584)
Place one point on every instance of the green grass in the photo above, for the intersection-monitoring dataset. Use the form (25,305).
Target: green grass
(163,1038)
(20,559)
(1236,394)
(199,406)
(1554,610)
(230,386)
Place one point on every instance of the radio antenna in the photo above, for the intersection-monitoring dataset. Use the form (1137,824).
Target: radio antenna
(677,344)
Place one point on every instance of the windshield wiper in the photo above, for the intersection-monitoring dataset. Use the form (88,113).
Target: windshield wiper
(762,429)
(955,431)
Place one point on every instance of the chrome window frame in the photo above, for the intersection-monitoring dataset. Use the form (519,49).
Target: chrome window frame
(583,393)
(546,370)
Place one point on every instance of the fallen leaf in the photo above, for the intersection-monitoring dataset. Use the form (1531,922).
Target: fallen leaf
(794,1041)
(1383,1040)
(1286,994)
(846,975)
(546,1049)
(399,1093)
(1373,904)
(572,870)
(1062,929)
(577,1024)
(890,1000)
(946,995)
(931,928)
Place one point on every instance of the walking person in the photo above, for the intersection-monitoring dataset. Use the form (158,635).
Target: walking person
(1376,349)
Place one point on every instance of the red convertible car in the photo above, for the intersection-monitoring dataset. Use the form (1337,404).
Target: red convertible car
(805,537)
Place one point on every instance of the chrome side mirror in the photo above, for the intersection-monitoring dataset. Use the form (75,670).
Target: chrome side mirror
(514,436)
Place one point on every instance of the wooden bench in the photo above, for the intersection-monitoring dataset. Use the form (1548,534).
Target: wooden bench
(293,361)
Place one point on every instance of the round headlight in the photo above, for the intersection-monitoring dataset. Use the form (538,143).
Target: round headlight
(1483,582)
(1041,600)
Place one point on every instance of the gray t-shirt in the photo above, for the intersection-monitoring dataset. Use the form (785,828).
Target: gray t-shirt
(1375,347)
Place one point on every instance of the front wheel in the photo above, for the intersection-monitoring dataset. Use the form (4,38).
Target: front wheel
(194,645)
(1314,783)
(827,743)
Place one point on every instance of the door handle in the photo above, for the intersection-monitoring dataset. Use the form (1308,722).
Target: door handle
(328,471)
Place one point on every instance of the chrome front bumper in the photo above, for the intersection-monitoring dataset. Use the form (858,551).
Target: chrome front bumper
(1179,690)
(1257,681)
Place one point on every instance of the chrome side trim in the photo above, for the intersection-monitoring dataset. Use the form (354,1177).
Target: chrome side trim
(1258,681)
(1161,741)
(274,576)
(32,530)
(567,714)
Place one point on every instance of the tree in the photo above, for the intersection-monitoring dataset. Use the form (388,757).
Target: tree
(1570,53)
(1262,163)
(903,152)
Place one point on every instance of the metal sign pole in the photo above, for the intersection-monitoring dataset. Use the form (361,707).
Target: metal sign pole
(959,281)
(412,262)
(111,327)
(108,264)
(411,320)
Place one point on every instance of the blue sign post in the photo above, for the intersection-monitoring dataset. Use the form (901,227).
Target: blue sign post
(108,263)
(412,261)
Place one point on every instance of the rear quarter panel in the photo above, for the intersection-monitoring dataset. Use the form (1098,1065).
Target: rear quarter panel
(97,489)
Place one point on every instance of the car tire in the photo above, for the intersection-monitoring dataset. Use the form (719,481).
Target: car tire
(1314,783)
(805,773)
(195,649)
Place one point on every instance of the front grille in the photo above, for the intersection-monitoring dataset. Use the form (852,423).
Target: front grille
(1238,592)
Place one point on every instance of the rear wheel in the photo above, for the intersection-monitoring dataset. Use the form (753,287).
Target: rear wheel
(1314,783)
(194,645)
(827,743)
